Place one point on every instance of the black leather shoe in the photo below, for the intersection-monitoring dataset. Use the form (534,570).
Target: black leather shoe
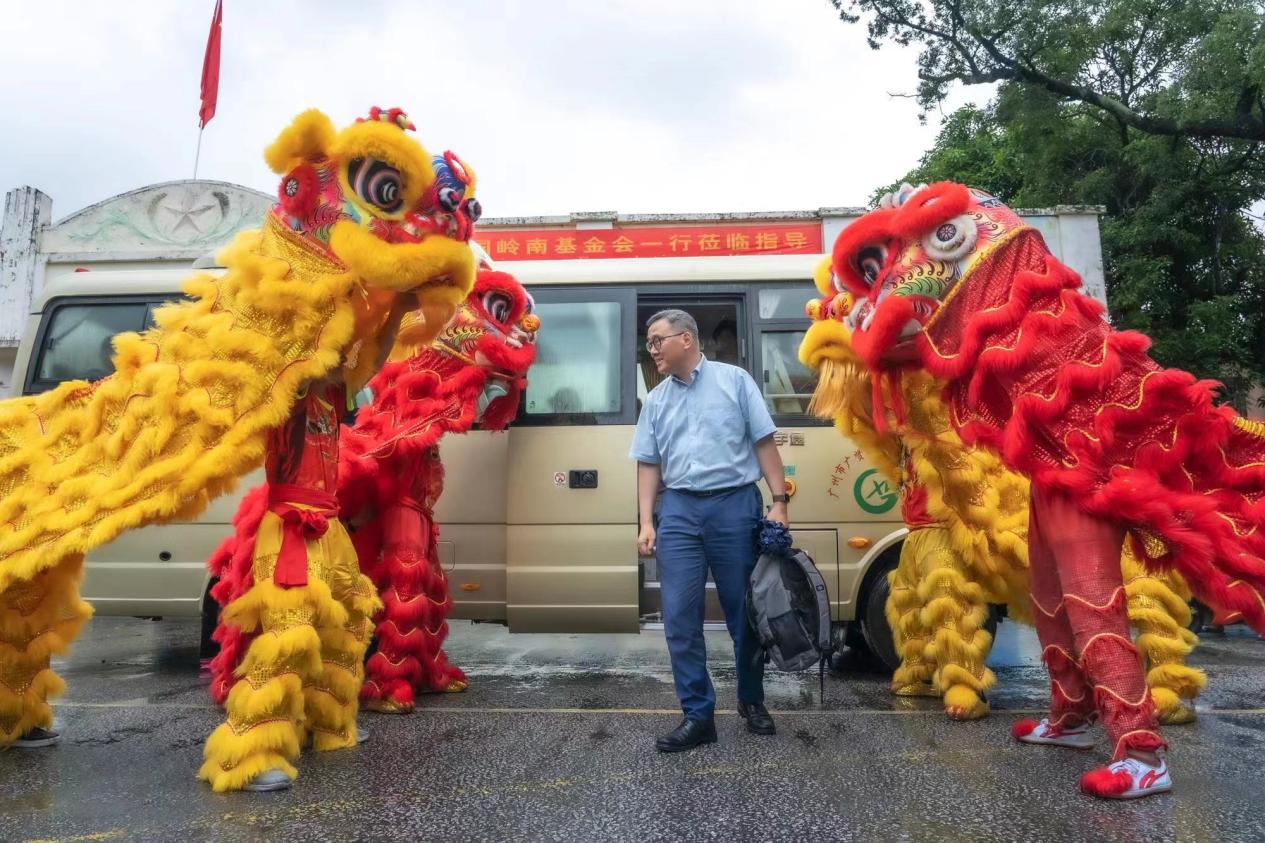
(689,734)
(759,721)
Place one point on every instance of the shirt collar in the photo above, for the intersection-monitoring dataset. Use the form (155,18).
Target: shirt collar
(702,359)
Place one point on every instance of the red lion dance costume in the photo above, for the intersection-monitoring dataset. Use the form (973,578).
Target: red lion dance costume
(389,479)
(949,280)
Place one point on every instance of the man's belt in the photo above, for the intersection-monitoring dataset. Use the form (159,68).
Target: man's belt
(710,493)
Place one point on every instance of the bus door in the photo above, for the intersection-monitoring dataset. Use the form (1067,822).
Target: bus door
(720,314)
(759,327)
(571,511)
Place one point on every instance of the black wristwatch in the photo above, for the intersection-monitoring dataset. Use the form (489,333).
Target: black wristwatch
(781,498)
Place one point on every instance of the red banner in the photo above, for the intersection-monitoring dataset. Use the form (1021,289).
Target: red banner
(525,244)
(211,68)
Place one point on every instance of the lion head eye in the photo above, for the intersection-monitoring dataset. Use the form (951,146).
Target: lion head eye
(376,183)
(449,199)
(499,306)
(869,263)
(952,239)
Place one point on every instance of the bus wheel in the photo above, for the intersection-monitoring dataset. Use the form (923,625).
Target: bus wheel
(209,648)
(873,611)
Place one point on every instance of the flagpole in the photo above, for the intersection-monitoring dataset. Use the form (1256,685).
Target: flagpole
(210,78)
(198,153)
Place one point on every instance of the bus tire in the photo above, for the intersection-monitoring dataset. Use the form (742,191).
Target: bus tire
(208,647)
(872,613)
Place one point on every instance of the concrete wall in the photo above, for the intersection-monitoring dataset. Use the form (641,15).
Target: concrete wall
(27,213)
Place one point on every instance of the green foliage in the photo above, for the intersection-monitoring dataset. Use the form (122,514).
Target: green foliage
(1181,68)
(1184,255)
(1184,262)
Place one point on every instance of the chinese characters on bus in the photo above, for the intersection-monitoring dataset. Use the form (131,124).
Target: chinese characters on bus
(841,471)
(650,242)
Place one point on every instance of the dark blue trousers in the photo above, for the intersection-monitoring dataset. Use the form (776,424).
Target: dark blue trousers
(693,535)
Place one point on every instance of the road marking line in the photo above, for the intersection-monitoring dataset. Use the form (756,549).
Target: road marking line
(655,711)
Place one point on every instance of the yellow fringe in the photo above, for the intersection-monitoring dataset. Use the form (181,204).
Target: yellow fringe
(249,610)
(233,760)
(21,712)
(38,619)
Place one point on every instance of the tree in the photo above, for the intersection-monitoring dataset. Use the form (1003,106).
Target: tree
(1178,68)
(1184,261)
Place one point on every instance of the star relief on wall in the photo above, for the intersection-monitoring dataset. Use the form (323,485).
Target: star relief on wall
(187,216)
(182,215)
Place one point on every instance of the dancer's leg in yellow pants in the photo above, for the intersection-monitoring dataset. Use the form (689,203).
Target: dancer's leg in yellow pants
(1160,614)
(38,618)
(945,610)
(904,616)
(301,675)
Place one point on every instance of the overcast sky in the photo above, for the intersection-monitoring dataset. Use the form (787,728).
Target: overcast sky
(559,105)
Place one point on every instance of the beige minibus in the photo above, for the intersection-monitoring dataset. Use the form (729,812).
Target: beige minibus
(539,523)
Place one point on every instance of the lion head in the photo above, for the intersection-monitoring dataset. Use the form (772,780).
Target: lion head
(903,261)
(374,201)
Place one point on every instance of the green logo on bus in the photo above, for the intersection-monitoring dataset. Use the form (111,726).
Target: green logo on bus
(873,493)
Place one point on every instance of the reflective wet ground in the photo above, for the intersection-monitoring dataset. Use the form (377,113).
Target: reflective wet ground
(554,741)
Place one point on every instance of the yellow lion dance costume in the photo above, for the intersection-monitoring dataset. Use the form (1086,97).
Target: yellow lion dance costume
(192,401)
(967,546)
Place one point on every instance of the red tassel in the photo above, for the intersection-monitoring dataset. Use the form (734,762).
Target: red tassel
(877,402)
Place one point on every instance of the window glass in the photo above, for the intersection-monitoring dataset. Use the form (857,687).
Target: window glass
(788,385)
(77,342)
(785,302)
(577,360)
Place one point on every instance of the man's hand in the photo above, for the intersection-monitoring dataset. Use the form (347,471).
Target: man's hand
(778,513)
(645,541)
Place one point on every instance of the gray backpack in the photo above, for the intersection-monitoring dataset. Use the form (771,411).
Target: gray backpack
(789,609)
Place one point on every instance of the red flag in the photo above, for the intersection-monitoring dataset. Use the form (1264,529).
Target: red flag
(211,68)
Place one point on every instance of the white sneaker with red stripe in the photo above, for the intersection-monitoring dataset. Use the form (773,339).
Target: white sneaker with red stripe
(1047,734)
(1128,778)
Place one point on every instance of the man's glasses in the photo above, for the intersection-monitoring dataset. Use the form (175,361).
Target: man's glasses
(656,343)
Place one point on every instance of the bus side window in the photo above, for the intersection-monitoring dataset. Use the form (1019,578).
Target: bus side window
(77,344)
(576,373)
(787,384)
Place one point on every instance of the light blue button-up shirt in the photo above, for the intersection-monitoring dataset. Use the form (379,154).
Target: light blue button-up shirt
(702,434)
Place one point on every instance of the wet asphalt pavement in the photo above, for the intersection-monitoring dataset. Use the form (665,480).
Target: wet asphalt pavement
(554,741)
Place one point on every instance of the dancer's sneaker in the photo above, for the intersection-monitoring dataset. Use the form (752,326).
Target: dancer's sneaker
(38,738)
(269,780)
(1044,733)
(362,734)
(1128,778)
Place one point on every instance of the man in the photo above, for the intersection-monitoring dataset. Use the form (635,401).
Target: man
(706,435)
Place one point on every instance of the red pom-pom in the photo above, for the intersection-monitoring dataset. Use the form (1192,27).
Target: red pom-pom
(1024,727)
(1106,782)
(298,191)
